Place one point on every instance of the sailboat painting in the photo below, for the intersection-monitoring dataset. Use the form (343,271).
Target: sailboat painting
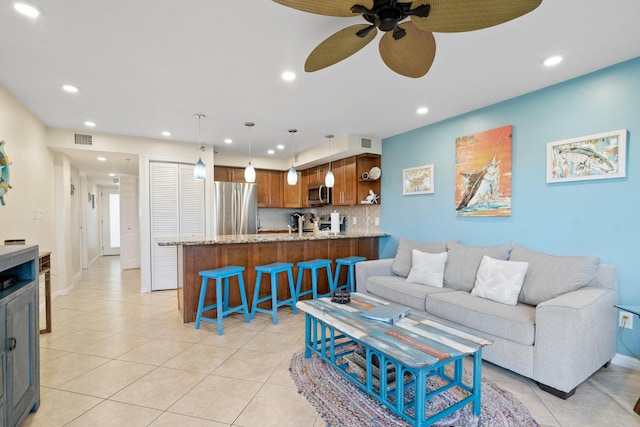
(483,173)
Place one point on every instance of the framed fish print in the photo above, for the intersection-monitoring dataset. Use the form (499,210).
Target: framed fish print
(483,173)
(417,180)
(599,156)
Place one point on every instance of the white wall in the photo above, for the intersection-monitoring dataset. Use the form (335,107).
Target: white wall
(31,178)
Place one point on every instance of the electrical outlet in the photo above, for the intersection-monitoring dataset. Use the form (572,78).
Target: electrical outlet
(355,220)
(377,220)
(629,320)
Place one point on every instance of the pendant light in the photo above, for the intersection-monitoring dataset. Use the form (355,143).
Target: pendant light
(329,179)
(292,176)
(249,171)
(200,170)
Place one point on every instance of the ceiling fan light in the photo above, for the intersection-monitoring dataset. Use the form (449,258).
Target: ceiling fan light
(292,176)
(249,173)
(200,170)
(329,179)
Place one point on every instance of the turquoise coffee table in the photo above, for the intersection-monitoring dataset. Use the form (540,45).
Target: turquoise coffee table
(413,349)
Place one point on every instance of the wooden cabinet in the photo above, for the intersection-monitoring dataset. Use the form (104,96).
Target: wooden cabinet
(364,163)
(345,188)
(293,193)
(270,188)
(317,173)
(20,353)
(228,174)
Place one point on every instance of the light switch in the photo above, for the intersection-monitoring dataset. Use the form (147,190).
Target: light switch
(377,220)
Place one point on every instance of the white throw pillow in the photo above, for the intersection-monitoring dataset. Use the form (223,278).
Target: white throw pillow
(427,268)
(500,280)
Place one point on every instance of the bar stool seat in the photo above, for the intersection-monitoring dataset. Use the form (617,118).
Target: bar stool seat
(222,296)
(274,269)
(314,265)
(350,262)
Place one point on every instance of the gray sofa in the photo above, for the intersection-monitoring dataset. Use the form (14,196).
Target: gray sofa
(561,330)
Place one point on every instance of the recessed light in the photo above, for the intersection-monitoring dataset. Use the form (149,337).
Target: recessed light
(552,60)
(90,124)
(27,9)
(288,76)
(112,174)
(422,110)
(101,159)
(270,151)
(70,88)
(228,141)
(166,133)
(280,147)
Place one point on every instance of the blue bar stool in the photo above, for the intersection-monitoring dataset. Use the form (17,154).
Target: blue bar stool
(274,269)
(350,261)
(222,298)
(314,265)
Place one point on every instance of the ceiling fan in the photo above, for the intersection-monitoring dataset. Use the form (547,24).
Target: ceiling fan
(407,47)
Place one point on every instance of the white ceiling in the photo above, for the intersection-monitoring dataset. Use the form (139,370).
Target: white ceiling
(148,65)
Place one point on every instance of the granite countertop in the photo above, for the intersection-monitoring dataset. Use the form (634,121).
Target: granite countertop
(268,237)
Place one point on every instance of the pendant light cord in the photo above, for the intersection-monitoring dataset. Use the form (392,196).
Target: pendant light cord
(292,131)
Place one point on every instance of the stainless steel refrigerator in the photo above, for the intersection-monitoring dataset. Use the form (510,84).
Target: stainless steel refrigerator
(235,207)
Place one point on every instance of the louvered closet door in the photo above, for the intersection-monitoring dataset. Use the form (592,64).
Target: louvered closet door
(165,224)
(192,209)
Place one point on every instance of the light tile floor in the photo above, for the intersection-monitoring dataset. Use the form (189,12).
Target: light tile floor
(117,357)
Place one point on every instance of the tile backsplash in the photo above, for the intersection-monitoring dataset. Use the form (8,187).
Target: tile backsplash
(366,217)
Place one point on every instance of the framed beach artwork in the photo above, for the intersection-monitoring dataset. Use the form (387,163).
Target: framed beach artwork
(418,180)
(599,156)
(483,173)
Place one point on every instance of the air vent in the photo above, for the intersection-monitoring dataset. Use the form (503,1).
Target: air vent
(116,180)
(365,142)
(84,139)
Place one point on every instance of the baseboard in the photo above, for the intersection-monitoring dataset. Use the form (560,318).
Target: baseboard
(63,292)
(626,361)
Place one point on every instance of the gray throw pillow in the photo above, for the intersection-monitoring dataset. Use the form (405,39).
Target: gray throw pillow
(402,263)
(549,276)
(463,262)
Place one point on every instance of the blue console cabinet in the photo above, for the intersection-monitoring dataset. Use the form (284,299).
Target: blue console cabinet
(19,335)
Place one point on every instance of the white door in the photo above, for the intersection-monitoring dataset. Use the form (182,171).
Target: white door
(110,208)
(177,213)
(129,224)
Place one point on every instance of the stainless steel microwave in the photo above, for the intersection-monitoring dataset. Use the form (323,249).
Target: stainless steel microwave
(318,194)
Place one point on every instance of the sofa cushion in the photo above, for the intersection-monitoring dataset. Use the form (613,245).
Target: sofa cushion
(427,269)
(397,290)
(549,276)
(402,263)
(463,261)
(512,322)
(499,280)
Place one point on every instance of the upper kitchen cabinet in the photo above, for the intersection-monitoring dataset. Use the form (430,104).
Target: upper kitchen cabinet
(228,174)
(345,187)
(270,188)
(317,173)
(293,194)
(364,164)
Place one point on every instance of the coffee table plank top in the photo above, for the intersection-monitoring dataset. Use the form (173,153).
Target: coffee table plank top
(414,340)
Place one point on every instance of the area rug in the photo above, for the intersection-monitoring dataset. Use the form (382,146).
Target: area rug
(341,404)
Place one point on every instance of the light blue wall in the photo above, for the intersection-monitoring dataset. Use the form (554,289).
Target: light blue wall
(593,218)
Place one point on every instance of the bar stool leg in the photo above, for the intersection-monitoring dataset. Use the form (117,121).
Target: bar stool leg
(203,290)
(294,295)
(332,284)
(243,297)
(336,277)
(219,304)
(299,284)
(256,293)
(225,295)
(274,298)
(351,281)
(314,282)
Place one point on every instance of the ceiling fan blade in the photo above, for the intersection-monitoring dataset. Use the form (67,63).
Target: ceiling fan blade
(326,7)
(411,55)
(339,46)
(451,16)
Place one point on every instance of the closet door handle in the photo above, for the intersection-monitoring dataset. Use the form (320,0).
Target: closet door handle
(12,344)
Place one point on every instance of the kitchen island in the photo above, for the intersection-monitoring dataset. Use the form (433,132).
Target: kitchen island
(251,250)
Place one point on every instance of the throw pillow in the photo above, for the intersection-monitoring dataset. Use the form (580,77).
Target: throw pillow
(500,280)
(402,263)
(427,269)
(550,276)
(463,262)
